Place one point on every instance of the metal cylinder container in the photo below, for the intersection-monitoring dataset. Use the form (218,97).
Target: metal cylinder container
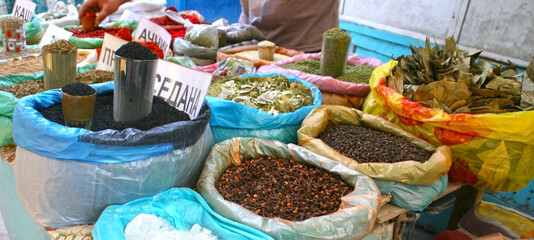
(134,88)
(59,69)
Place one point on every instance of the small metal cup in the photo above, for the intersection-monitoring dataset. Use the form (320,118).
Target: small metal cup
(134,88)
(59,69)
(78,110)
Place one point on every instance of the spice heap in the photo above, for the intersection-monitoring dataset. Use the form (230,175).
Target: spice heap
(94,76)
(78,89)
(152,227)
(134,50)
(274,95)
(30,87)
(367,145)
(353,73)
(283,188)
(121,32)
(60,46)
(162,113)
(456,81)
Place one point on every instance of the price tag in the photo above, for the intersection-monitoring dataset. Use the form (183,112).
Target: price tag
(54,33)
(107,55)
(147,31)
(24,9)
(181,87)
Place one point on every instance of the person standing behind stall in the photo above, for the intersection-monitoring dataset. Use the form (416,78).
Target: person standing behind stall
(293,24)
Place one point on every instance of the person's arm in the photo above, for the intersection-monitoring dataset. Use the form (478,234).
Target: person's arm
(103,8)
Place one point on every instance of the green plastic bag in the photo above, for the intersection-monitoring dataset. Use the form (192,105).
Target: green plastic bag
(354,219)
(92,43)
(412,197)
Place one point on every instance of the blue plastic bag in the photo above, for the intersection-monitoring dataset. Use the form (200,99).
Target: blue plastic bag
(230,119)
(412,197)
(108,146)
(182,207)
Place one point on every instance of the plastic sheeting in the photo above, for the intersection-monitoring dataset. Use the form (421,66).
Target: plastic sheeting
(412,197)
(230,119)
(182,207)
(326,83)
(60,193)
(409,172)
(354,219)
(490,151)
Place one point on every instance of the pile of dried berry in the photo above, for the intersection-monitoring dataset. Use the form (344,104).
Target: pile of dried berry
(367,145)
(283,188)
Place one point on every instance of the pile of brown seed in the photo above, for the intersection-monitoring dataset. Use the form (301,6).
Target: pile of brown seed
(367,145)
(283,188)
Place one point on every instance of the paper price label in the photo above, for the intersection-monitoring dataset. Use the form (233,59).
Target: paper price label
(181,87)
(54,33)
(24,9)
(147,31)
(107,55)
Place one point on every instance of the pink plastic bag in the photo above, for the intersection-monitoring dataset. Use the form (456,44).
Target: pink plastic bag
(326,83)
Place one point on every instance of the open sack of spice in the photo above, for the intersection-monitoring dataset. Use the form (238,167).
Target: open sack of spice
(130,159)
(287,191)
(349,89)
(264,105)
(177,208)
(94,39)
(453,98)
(378,149)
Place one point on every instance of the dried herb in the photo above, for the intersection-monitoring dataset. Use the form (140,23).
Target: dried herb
(456,81)
(284,188)
(334,52)
(60,46)
(368,145)
(273,95)
(95,76)
(353,73)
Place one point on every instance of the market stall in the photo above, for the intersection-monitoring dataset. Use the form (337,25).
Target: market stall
(207,130)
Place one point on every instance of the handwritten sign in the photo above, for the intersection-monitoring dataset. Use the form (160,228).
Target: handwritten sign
(24,9)
(54,33)
(147,31)
(107,55)
(181,87)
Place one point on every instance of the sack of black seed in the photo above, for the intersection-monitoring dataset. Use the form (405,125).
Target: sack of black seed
(375,147)
(67,176)
(263,105)
(287,191)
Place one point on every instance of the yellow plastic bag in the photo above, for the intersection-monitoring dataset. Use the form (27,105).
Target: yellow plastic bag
(409,172)
(343,100)
(502,216)
(490,151)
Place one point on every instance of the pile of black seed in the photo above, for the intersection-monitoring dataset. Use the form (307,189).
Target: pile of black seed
(367,145)
(162,113)
(135,51)
(78,89)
